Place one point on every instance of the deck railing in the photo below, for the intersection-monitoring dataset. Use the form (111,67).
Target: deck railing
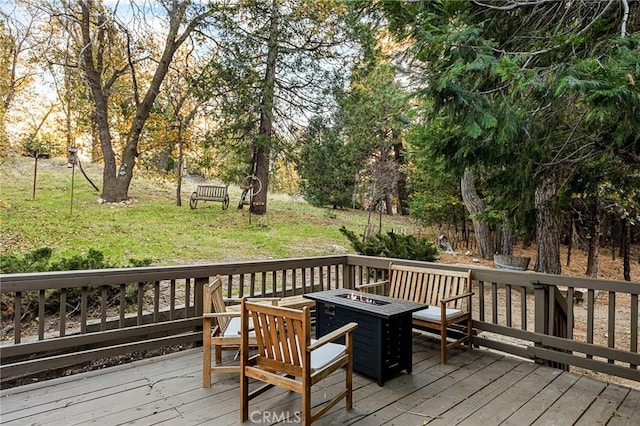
(522,313)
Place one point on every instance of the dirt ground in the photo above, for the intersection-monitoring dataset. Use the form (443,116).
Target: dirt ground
(610,267)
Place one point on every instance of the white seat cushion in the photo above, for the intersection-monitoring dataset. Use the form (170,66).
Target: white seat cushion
(325,354)
(233,328)
(433,313)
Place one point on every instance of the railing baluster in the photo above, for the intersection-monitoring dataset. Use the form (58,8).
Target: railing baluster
(252,285)
(508,304)
(172,300)
(140,302)
(156,301)
(123,305)
(294,281)
(633,327)
(241,286)
(103,307)
(523,308)
(590,316)
(187,297)
(41,314)
(83,309)
(229,286)
(304,280)
(494,302)
(17,316)
(611,327)
(570,308)
(481,300)
(63,311)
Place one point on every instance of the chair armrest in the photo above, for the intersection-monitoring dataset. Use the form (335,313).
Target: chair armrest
(252,299)
(220,314)
(347,328)
(372,285)
(274,300)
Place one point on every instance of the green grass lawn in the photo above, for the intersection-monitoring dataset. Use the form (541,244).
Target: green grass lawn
(153,227)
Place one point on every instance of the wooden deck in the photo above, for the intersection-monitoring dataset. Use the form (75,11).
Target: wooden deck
(479,387)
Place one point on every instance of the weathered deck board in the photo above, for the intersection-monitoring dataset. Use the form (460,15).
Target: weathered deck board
(627,412)
(503,406)
(577,399)
(604,407)
(475,388)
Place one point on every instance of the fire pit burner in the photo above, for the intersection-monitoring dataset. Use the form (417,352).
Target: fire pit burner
(364,299)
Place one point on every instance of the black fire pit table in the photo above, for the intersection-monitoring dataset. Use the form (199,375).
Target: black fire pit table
(382,343)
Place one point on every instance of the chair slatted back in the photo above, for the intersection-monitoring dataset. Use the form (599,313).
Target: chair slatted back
(282,334)
(213,301)
(428,286)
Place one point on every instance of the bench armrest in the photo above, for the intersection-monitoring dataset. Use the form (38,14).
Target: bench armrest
(452,298)
(327,338)
(376,284)
(458,296)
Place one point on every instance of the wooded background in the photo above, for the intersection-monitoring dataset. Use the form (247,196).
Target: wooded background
(519,120)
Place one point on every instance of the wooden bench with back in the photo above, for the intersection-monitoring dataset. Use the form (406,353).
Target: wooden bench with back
(447,294)
(210,193)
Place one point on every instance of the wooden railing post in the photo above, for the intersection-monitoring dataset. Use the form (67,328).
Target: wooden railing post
(348,278)
(550,315)
(200,282)
(541,307)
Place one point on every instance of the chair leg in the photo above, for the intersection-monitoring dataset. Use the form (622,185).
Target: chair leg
(443,345)
(206,354)
(306,406)
(349,372)
(206,367)
(244,397)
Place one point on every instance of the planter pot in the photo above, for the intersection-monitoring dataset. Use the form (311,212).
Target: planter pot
(505,261)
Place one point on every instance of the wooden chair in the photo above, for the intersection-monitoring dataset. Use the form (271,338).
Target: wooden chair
(220,329)
(288,358)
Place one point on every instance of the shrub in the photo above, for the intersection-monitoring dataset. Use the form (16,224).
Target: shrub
(39,260)
(399,246)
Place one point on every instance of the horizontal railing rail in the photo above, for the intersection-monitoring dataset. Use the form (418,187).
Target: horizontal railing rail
(560,320)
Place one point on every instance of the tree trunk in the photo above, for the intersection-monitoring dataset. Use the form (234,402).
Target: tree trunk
(473,202)
(116,181)
(572,233)
(259,205)
(594,242)
(388,203)
(507,239)
(547,232)
(401,186)
(96,152)
(179,172)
